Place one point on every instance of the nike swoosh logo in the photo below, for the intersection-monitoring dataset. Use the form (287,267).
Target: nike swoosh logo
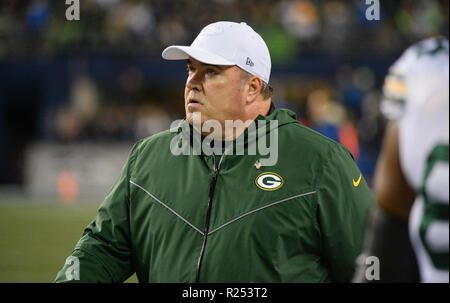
(356,183)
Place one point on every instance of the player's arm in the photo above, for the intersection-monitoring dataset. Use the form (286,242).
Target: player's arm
(103,253)
(344,201)
(392,192)
(387,232)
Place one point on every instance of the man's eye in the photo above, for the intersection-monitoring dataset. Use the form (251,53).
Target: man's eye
(211,71)
(189,68)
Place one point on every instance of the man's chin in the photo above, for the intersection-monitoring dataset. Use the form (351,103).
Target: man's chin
(198,117)
(194,107)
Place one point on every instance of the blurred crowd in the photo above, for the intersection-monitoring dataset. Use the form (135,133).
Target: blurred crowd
(341,103)
(137,27)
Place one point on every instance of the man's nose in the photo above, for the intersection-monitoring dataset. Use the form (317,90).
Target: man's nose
(194,81)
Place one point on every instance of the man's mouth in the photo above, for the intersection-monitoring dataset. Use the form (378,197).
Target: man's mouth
(193,101)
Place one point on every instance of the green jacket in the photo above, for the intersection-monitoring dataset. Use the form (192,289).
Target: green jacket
(177,219)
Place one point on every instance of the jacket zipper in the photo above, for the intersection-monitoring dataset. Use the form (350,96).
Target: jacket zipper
(208,217)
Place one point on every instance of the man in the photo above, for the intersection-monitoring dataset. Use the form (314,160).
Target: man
(192,215)
(412,175)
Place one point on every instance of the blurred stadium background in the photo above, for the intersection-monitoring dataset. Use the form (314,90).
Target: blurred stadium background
(75,95)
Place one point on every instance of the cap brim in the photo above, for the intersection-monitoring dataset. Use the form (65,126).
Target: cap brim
(178,52)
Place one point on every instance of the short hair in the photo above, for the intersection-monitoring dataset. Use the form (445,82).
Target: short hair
(266,89)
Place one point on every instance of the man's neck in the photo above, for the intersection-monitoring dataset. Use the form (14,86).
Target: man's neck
(232,133)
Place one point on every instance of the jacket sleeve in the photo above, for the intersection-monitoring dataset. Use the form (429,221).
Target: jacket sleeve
(344,201)
(103,253)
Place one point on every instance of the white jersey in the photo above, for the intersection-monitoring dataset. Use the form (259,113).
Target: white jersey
(416,94)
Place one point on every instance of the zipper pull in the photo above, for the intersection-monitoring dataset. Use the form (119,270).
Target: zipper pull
(213,183)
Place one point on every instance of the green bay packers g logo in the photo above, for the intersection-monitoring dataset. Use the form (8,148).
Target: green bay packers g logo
(269,181)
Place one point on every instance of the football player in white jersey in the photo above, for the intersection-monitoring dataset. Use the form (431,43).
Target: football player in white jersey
(412,176)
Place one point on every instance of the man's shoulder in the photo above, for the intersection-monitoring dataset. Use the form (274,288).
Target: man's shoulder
(159,137)
(301,137)
(155,142)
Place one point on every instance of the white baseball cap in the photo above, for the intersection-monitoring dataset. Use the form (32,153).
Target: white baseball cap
(227,43)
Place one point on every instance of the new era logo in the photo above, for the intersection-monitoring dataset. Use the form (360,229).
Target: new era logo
(249,62)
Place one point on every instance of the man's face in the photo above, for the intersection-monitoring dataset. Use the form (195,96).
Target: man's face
(215,91)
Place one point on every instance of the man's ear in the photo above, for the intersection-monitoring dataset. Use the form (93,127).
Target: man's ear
(254,88)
